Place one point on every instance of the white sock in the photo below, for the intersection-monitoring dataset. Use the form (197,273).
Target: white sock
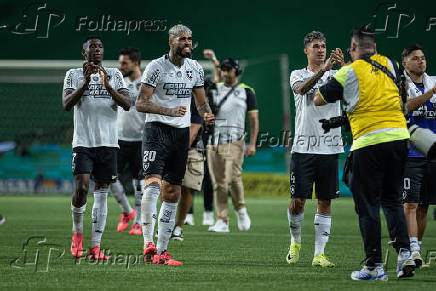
(99,214)
(77,214)
(414,245)
(295,226)
(118,192)
(138,185)
(167,220)
(149,211)
(322,224)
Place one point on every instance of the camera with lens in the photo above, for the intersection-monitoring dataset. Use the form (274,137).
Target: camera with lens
(424,141)
(334,122)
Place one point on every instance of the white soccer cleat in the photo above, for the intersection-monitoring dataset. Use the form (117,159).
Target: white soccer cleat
(370,274)
(406,266)
(208,218)
(244,221)
(219,226)
(177,234)
(189,220)
(416,256)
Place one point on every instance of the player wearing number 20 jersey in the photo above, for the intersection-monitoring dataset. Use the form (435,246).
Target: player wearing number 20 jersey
(165,95)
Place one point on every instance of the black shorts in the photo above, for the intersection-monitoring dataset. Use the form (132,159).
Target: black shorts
(130,155)
(322,170)
(378,172)
(165,151)
(419,185)
(100,162)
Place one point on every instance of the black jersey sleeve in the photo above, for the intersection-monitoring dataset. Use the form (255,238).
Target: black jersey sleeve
(251,100)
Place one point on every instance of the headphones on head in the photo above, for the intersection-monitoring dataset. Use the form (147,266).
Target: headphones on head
(232,63)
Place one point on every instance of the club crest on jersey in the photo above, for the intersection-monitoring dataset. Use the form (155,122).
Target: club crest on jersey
(189,74)
(95,78)
(236,92)
(138,85)
(179,74)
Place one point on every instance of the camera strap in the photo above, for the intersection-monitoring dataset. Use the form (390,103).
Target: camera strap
(399,80)
(386,70)
(218,106)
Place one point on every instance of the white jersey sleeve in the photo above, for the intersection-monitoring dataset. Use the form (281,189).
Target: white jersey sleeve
(119,82)
(151,75)
(296,77)
(200,76)
(71,80)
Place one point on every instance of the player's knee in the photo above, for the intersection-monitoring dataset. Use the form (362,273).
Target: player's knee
(172,193)
(324,206)
(410,207)
(152,180)
(99,186)
(82,189)
(297,205)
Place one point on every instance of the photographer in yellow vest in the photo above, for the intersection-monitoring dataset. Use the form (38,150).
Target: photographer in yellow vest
(370,95)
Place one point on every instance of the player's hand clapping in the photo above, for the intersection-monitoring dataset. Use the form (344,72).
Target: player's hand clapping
(103,77)
(339,57)
(88,69)
(336,57)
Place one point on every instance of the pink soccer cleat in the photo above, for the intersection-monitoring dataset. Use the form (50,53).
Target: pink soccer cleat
(96,254)
(124,220)
(136,229)
(150,251)
(165,259)
(77,245)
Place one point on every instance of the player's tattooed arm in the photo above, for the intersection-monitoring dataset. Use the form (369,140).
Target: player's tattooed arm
(121,96)
(71,97)
(303,87)
(203,107)
(144,104)
(336,57)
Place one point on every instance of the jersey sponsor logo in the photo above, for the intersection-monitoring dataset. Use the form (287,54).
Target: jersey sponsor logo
(98,91)
(152,78)
(178,89)
(425,111)
(69,81)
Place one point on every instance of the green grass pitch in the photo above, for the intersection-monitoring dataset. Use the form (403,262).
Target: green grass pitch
(253,260)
